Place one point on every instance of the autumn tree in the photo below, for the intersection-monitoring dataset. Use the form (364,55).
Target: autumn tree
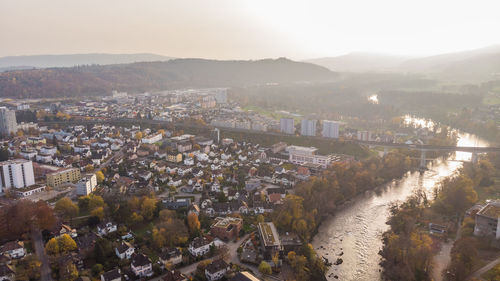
(138,135)
(68,272)
(28,268)
(193,223)
(136,218)
(464,256)
(100,176)
(265,268)
(66,243)
(98,212)
(455,195)
(95,201)
(66,208)
(52,247)
(148,208)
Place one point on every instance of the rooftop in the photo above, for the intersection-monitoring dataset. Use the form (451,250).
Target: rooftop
(225,222)
(491,210)
(269,234)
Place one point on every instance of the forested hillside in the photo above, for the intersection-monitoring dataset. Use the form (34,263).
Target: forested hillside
(150,76)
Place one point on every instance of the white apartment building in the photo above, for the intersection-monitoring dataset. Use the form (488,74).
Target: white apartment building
(287,126)
(308,127)
(8,123)
(301,155)
(16,173)
(152,139)
(330,129)
(86,185)
(364,135)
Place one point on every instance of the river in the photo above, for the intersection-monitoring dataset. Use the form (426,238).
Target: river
(356,230)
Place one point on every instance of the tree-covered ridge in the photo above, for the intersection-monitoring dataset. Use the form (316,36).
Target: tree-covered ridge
(150,76)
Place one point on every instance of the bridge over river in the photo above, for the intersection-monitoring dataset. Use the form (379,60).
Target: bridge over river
(423,148)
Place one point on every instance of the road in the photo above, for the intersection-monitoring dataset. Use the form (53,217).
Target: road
(477,274)
(36,237)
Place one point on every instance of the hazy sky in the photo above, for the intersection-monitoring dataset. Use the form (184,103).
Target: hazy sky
(226,29)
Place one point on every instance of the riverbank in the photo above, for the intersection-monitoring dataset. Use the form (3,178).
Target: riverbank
(357,227)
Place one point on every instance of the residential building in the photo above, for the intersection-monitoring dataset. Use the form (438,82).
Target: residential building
(124,250)
(86,185)
(48,150)
(171,256)
(14,249)
(301,155)
(16,173)
(200,246)
(216,270)
(62,176)
(141,265)
(487,220)
(364,135)
(27,191)
(152,139)
(270,240)
(112,275)
(330,129)
(174,157)
(8,124)
(106,227)
(227,228)
(308,127)
(287,126)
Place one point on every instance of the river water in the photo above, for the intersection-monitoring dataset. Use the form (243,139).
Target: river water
(356,230)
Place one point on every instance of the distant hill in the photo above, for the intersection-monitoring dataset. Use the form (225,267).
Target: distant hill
(468,66)
(150,76)
(360,62)
(44,61)
(464,67)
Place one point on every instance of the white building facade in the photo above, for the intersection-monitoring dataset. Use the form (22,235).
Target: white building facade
(330,129)
(16,173)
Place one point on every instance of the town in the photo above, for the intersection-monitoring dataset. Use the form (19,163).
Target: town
(146,186)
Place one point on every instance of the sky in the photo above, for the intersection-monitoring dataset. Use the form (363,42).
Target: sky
(253,29)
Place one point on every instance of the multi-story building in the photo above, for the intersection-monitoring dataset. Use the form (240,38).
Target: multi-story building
(487,222)
(330,129)
(141,265)
(216,270)
(200,246)
(227,228)
(174,157)
(364,135)
(62,176)
(171,256)
(302,155)
(308,127)
(269,239)
(221,96)
(8,124)
(124,251)
(287,126)
(152,139)
(16,173)
(86,185)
